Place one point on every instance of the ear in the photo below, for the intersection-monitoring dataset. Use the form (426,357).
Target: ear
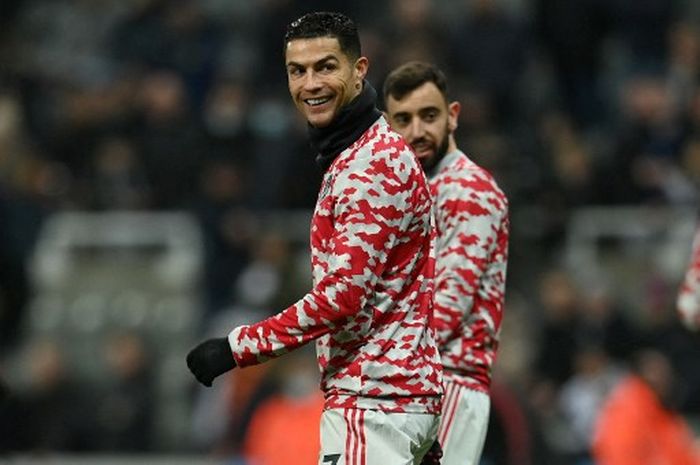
(361,68)
(453,110)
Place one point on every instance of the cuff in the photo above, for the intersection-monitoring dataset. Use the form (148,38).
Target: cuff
(233,341)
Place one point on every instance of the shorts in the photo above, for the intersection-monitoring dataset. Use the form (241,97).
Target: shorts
(372,437)
(465,420)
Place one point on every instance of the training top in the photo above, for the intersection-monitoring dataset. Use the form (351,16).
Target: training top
(472,252)
(373,264)
(689,294)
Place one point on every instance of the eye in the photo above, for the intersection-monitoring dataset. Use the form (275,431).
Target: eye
(328,68)
(401,120)
(430,116)
(295,71)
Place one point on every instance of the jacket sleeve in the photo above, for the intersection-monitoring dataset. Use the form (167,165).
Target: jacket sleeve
(371,207)
(471,254)
(688,302)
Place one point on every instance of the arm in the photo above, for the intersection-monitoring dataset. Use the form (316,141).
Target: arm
(370,210)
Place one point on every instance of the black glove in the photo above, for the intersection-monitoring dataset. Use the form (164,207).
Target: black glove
(210,359)
(433,456)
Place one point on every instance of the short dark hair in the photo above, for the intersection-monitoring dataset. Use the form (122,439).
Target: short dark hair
(408,77)
(327,24)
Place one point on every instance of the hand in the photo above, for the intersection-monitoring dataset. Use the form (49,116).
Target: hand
(210,359)
(433,456)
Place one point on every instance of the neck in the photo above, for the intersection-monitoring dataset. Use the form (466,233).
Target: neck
(349,124)
(451,144)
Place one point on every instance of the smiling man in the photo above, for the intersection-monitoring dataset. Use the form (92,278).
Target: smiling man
(471,215)
(372,255)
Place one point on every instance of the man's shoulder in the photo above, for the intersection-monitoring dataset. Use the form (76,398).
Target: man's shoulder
(380,146)
(381,138)
(466,178)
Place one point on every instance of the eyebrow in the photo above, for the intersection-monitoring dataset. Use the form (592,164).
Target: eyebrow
(400,113)
(429,108)
(323,60)
(420,111)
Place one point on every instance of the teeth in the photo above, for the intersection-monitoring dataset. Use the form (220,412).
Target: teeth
(317,101)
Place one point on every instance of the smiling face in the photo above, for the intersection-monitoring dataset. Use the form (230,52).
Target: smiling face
(322,79)
(425,119)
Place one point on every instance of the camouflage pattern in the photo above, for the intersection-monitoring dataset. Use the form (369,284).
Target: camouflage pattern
(472,251)
(689,295)
(373,263)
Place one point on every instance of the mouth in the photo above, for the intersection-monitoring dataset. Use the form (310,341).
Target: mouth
(317,101)
(422,148)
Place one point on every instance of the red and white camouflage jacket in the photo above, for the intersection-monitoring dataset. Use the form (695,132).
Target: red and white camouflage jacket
(472,252)
(689,294)
(373,263)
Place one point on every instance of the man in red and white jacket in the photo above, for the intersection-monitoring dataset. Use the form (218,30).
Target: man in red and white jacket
(372,254)
(471,214)
(689,294)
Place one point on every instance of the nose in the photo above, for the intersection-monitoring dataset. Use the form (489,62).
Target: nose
(311,81)
(416,129)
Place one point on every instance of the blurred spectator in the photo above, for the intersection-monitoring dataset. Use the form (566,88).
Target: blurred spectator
(173,35)
(269,280)
(227,227)
(648,147)
(581,398)
(563,173)
(690,162)
(490,48)
(572,35)
(31,187)
(692,114)
(53,412)
(573,174)
(281,153)
(284,427)
(514,436)
(225,118)
(126,409)
(65,41)
(116,180)
(418,34)
(638,423)
(684,61)
(557,341)
(168,138)
(606,324)
(555,354)
(642,28)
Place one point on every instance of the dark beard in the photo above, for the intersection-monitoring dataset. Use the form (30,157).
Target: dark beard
(429,164)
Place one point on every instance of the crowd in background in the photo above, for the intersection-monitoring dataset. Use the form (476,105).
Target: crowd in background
(182,105)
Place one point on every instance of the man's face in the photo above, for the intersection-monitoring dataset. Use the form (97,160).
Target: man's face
(425,120)
(321,78)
